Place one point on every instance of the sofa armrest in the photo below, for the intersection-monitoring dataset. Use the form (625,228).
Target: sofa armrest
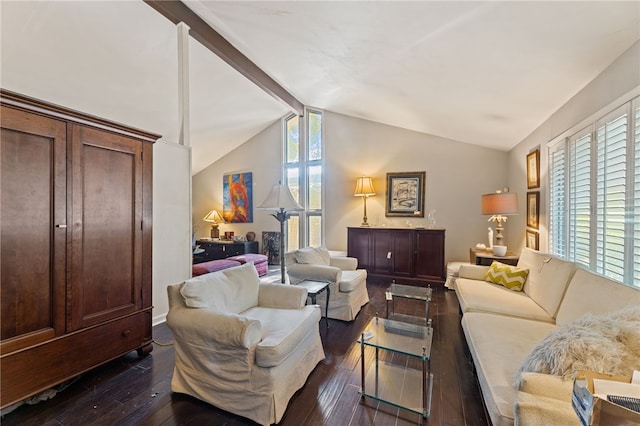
(281,296)
(201,327)
(474,272)
(344,263)
(533,409)
(306,271)
(546,385)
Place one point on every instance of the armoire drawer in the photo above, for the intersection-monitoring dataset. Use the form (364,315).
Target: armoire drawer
(34,369)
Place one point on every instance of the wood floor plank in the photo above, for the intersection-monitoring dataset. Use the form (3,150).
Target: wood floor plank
(132,391)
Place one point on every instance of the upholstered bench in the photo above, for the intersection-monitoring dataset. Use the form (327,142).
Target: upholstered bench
(260,261)
(213,266)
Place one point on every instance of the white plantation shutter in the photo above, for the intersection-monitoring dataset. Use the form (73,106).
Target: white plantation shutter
(635,111)
(579,221)
(594,195)
(611,178)
(557,190)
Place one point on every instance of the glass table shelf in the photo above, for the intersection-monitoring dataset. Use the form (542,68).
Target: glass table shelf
(410,292)
(398,384)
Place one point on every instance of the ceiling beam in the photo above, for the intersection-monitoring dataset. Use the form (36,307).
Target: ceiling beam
(176,12)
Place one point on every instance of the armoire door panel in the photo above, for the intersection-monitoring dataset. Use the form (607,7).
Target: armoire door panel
(33,202)
(110,176)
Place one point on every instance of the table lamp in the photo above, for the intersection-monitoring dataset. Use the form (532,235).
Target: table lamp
(499,205)
(214,217)
(281,200)
(364,189)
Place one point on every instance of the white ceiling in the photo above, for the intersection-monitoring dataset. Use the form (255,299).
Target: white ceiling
(485,73)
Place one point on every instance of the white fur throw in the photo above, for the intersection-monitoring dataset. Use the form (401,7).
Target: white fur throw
(607,343)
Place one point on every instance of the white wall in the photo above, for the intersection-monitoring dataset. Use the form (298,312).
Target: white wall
(171,221)
(457,174)
(615,83)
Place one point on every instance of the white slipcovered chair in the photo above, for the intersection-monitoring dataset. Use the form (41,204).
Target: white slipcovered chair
(348,285)
(242,346)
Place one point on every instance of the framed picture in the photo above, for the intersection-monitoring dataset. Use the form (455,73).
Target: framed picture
(405,194)
(533,169)
(533,209)
(533,239)
(271,246)
(237,197)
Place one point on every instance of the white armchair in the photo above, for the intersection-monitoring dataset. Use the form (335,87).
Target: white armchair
(348,285)
(242,346)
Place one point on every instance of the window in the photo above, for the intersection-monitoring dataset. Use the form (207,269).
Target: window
(303,171)
(594,195)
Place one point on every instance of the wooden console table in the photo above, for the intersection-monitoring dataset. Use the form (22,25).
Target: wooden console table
(214,250)
(408,255)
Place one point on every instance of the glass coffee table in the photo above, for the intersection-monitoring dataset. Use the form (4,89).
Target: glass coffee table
(408,292)
(394,383)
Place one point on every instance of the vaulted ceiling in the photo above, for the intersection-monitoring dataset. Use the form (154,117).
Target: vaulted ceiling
(485,73)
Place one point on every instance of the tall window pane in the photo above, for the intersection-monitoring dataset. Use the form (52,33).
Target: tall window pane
(292,140)
(315,136)
(293,230)
(315,187)
(315,230)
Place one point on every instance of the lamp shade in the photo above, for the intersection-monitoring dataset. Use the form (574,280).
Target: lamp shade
(364,187)
(213,216)
(280,198)
(505,203)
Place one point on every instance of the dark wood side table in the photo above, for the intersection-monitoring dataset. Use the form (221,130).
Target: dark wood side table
(314,288)
(485,257)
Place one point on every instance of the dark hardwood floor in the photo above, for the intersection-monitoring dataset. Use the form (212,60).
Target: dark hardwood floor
(132,391)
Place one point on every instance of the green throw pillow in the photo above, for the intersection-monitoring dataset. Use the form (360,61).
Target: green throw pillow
(509,276)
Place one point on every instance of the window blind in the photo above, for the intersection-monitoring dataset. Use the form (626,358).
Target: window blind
(594,195)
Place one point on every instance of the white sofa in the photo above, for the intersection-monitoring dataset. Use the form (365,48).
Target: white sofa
(502,327)
(348,284)
(242,346)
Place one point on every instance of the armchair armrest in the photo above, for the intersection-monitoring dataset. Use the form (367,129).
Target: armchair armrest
(306,271)
(474,272)
(344,263)
(282,296)
(203,326)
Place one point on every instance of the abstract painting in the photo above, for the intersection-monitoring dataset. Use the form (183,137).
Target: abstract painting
(237,197)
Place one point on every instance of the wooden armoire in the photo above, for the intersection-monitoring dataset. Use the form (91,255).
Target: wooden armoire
(75,234)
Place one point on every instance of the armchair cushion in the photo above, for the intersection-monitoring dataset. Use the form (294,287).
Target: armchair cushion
(281,296)
(313,255)
(282,331)
(231,290)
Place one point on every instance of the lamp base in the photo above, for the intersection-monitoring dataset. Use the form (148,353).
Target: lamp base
(215,232)
(365,225)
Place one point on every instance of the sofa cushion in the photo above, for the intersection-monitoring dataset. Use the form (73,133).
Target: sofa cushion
(482,296)
(548,278)
(231,290)
(588,292)
(282,331)
(352,280)
(313,255)
(498,345)
(509,276)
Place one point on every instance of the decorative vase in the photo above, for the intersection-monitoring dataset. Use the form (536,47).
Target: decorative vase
(251,236)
